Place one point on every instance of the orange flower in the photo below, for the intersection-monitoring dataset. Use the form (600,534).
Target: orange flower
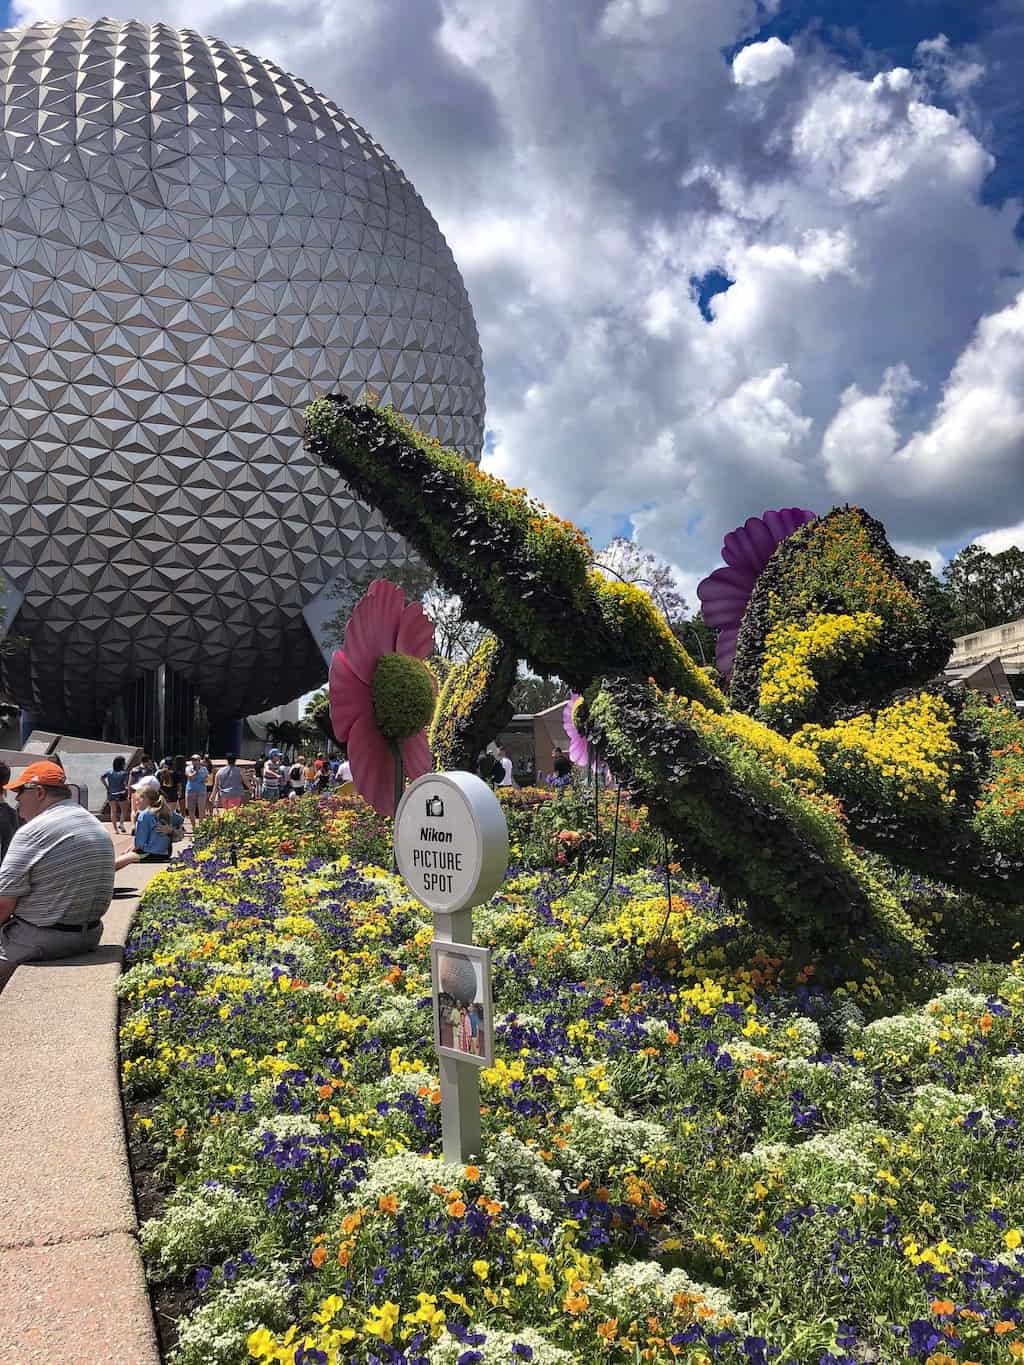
(608,1330)
(472,1172)
(1001,1328)
(388,1203)
(318,1257)
(942,1308)
(456,1209)
(575,1303)
(324,1092)
(985,1024)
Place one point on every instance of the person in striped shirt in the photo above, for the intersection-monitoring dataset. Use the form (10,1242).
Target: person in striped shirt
(57,877)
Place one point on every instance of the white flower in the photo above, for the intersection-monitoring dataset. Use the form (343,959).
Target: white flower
(634,1289)
(902,1036)
(216,1333)
(935,1105)
(497,1348)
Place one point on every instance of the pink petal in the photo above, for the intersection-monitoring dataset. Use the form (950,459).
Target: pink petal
(415,632)
(568,724)
(373,767)
(373,627)
(579,753)
(416,756)
(349,697)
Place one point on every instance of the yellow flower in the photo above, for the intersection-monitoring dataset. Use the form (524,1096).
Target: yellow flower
(481,1269)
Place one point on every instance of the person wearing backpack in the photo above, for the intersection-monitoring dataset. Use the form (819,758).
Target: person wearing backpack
(297,777)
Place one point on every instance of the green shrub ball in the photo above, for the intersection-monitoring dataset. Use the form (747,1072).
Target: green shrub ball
(403,696)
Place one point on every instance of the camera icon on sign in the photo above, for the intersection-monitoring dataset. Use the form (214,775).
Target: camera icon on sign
(435,806)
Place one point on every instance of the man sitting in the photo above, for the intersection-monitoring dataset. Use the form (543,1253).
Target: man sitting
(57,878)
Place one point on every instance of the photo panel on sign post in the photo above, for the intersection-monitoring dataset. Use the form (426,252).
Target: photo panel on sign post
(463,1012)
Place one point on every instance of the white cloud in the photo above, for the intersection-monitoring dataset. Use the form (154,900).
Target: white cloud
(1003,539)
(931,554)
(587,160)
(760,62)
(863,436)
(972,452)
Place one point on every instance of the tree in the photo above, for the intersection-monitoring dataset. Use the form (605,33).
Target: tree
(531,694)
(698,639)
(625,560)
(291,735)
(455,634)
(985,590)
(935,595)
(317,715)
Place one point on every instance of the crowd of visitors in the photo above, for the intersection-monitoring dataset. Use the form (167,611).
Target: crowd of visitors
(57,862)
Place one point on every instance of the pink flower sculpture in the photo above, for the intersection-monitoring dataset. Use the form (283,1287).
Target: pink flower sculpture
(382,626)
(725,593)
(578,749)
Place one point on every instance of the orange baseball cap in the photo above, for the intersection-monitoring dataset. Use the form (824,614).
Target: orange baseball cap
(42,774)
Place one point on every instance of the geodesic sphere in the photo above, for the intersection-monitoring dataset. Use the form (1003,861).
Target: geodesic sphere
(457,977)
(193,246)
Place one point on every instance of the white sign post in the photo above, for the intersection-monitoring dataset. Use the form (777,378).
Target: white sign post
(451,847)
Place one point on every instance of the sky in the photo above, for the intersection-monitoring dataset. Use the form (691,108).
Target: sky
(724,255)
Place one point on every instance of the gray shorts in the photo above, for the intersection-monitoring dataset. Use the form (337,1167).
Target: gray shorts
(21,942)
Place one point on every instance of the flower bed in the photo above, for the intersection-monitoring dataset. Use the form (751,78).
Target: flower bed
(696,1147)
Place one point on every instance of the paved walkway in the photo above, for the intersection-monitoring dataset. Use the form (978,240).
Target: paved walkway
(72,1289)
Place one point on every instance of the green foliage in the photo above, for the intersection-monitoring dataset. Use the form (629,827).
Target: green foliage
(1000,810)
(984,589)
(531,694)
(629,614)
(784,854)
(837,625)
(688,1119)
(840,565)
(315,827)
(522,572)
(317,714)
(566,827)
(473,706)
(403,696)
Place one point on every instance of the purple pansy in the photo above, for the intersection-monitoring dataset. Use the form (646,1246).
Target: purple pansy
(725,593)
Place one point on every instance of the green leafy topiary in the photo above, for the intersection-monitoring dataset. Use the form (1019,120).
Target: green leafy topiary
(520,571)
(840,565)
(833,603)
(786,856)
(474,705)
(403,696)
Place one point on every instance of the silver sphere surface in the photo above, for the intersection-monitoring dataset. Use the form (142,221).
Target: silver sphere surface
(193,245)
